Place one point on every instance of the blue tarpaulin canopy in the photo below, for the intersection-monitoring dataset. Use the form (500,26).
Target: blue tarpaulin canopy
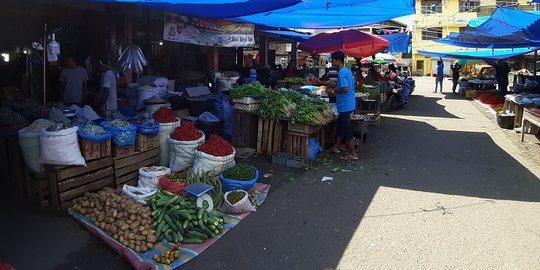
(481,54)
(320,14)
(399,42)
(213,8)
(505,28)
(287,34)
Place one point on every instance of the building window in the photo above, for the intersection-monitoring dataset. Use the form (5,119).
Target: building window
(432,33)
(504,3)
(469,5)
(431,7)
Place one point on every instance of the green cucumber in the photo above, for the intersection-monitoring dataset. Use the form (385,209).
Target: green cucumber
(202,210)
(185,216)
(168,236)
(209,232)
(171,201)
(173,209)
(175,237)
(199,235)
(192,241)
(190,226)
(160,226)
(165,227)
(211,227)
(185,225)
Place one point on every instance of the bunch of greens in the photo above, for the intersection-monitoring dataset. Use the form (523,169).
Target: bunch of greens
(313,111)
(293,80)
(293,96)
(255,89)
(277,105)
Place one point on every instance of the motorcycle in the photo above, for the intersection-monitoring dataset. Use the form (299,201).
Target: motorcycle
(399,90)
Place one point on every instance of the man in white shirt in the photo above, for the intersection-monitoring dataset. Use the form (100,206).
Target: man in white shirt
(74,82)
(108,99)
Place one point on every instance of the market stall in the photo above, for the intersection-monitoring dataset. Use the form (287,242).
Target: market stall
(516,103)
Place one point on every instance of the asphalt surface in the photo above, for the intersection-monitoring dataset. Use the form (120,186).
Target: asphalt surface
(438,186)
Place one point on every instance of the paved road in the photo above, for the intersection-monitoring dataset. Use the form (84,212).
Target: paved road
(437,186)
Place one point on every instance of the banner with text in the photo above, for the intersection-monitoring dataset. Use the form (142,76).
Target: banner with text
(218,33)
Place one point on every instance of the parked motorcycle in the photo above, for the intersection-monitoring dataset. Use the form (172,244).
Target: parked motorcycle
(399,90)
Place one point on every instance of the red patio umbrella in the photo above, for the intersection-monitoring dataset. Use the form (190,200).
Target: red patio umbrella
(352,42)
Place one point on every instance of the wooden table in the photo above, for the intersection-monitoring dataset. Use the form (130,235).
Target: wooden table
(529,118)
(510,105)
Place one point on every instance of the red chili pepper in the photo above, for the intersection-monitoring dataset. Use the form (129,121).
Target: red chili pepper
(186,132)
(216,146)
(164,115)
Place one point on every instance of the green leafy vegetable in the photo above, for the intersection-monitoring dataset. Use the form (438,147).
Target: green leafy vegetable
(250,89)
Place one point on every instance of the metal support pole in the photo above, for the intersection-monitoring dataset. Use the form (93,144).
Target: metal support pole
(45,65)
(535,59)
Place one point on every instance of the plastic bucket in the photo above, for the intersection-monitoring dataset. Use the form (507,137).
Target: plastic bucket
(506,122)
(231,184)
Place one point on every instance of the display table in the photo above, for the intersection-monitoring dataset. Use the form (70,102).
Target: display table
(530,118)
(483,84)
(511,105)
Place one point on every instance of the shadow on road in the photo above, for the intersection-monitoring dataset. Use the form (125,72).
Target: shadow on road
(424,106)
(307,224)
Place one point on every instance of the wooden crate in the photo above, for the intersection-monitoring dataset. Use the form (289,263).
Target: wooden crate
(126,168)
(38,186)
(247,100)
(69,182)
(270,136)
(303,128)
(298,143)
(247,107)
(93,150)
(121,151)
(145,142)
(245,128)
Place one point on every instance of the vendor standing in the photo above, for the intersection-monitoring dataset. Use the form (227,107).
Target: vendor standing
(107,97)
(345,103)
(74,82)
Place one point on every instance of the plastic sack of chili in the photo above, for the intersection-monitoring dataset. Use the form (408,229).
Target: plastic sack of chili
(216,146)
(174,187)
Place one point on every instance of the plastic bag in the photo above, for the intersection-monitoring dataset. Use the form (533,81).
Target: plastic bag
(182,153)
(242,206)
(314,147)
(60,147)
(165,130)
(29,142)
(208,117)
(138,194)
(149,176)
(174,187)
(94,138)
(123,137)
(212,165)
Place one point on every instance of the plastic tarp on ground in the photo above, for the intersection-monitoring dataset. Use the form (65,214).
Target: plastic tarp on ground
(320,14)
(494,54)
(287,34)
(213,8)
(398,42)
(505,28)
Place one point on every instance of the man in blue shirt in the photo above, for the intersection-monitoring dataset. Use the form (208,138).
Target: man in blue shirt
(440,74)
(345,103)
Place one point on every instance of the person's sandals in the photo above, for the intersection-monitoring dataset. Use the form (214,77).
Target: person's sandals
(348,158)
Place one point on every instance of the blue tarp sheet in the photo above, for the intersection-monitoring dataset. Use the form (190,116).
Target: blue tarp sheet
(505,28)
(399,42)
(494,54)
(480,20)
(318,14)
(213,8)
(299,37)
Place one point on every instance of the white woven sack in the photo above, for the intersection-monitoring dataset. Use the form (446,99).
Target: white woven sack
(212,165)
(29,142)
(60,147)
(151,179)
(165,130)
(242,206)
(182,153)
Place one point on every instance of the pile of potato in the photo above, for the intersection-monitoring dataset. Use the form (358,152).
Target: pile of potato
(119,216)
